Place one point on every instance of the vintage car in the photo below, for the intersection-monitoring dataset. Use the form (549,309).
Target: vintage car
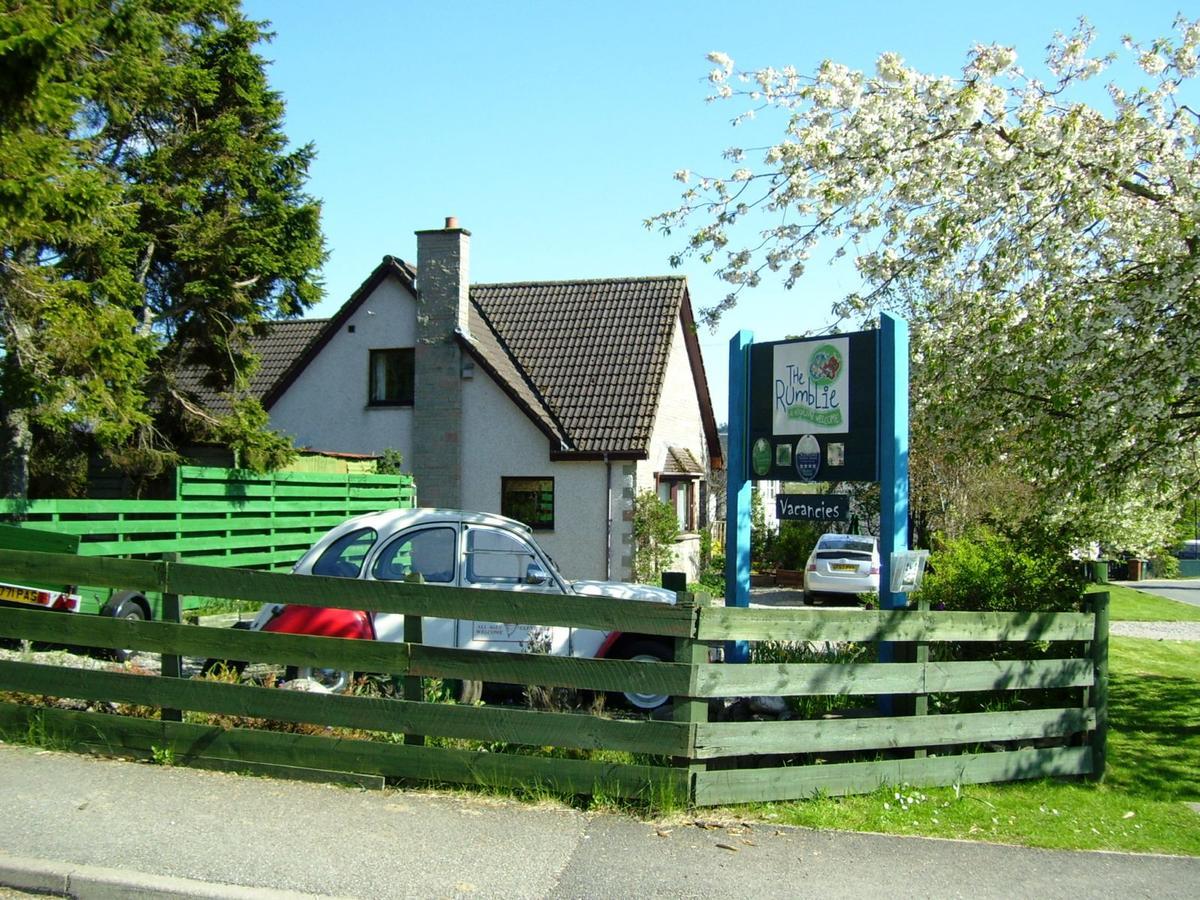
(465,550)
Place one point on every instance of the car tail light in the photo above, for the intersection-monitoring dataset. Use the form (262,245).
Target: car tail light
(812,567)
(874,570)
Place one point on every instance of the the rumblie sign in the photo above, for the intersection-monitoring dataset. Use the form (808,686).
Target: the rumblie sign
(813,409)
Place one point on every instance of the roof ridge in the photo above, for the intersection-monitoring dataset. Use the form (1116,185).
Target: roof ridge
(609,280)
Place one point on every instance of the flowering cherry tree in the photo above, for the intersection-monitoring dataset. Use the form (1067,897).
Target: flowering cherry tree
(1044,249)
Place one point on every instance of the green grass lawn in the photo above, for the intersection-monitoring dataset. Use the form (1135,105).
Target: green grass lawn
(1129,605)
(1153,772)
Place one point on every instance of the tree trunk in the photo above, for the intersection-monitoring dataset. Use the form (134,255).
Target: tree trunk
(14,452)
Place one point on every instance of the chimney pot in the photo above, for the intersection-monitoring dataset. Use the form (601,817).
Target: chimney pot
(451,222)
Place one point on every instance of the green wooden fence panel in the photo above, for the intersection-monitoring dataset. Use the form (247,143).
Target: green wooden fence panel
(802,782)
(689,742)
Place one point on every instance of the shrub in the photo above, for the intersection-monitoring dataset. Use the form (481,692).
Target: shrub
(988,571)
(655,528)
(795,542)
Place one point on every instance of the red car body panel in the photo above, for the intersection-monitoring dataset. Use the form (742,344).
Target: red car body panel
(323,621)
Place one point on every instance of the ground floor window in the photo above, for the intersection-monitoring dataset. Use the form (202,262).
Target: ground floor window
(528,500)
(680,493)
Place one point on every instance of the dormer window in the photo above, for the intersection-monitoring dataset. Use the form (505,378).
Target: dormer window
(390,377)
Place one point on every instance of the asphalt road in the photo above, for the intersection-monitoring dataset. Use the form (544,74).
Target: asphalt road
(106,828)
(1185,590)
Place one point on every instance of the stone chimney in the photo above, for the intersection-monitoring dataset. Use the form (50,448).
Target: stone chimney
(443,264)
(443,274)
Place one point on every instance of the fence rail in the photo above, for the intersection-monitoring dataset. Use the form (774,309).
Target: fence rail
(688,757)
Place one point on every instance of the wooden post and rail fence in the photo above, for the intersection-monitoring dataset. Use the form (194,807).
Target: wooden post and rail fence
(686,757)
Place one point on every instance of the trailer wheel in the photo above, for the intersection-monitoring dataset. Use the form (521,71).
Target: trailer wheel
(127,605)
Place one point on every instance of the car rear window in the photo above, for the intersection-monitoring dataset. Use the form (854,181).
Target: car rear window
(843,544)
(843,554)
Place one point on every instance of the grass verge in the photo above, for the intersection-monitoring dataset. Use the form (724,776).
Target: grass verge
(1129,605)
(1142,805)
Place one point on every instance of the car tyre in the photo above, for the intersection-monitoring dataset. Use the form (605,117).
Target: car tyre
(336,681)
(642,650)
(124,607)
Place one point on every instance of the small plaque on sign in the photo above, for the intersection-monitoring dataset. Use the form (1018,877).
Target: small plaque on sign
(813,507)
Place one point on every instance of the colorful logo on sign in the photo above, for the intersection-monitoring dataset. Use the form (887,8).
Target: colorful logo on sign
(808,458)
(811,387)
(760,457)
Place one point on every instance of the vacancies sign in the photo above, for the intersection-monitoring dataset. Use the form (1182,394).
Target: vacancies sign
(813,409)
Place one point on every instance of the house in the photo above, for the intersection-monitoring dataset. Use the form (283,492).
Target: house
(553,402)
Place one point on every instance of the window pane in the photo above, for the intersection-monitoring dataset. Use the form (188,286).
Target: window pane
(429,552)
(528,500)
(391,377)
(494,557)
(344,557)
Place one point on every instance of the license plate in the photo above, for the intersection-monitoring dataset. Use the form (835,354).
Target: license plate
(844,567)
(18,594)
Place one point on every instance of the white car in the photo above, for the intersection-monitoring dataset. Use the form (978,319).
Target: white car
(841,566)
(466,550)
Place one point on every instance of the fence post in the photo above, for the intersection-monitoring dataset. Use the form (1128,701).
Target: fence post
(1100,687)
(688,650)
(921,701)
(414,688)
(172,611)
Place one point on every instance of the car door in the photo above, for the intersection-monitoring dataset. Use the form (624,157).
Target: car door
(433,552)
(497,559)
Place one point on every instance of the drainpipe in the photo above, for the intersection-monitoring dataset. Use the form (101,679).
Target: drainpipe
(607,518)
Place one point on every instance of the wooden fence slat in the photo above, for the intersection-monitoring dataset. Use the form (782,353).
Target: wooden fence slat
(119,734)
(719,739)
(807,679)
(551,671)
(731,623)
(801,782)
(482,723)
(216,643)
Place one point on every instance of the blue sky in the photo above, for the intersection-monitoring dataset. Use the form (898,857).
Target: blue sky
(551,130)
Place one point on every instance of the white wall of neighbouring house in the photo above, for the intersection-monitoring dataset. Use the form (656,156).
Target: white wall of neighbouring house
(499,441)
(677,423)
(326,407)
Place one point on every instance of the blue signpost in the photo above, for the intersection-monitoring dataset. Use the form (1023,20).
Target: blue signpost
(893,459)
(737,487)
(846,398)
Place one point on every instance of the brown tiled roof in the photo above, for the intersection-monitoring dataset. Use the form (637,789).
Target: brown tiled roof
(585,360)
(594,351)
(681,461)
(277,349)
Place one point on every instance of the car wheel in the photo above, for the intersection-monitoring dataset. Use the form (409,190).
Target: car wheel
(214,665)
(467,691)
(126,607)
(644,650)
(333,680)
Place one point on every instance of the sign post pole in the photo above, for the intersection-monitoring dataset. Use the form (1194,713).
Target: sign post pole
(893,459)
(737,487)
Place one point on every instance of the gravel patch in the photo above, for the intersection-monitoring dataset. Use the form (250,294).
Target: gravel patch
(1159,631)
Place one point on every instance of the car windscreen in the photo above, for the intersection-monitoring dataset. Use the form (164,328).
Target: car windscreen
(344,557)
